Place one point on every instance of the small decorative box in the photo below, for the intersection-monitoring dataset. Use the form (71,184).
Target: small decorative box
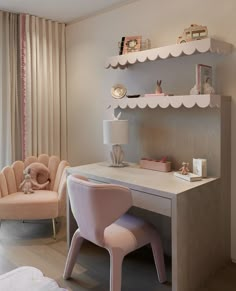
(162,166)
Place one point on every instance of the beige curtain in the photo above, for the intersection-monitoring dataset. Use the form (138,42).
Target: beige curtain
(43,86)
(10,130)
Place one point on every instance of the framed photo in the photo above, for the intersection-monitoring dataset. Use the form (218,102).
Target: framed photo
(203,75)
(131,44)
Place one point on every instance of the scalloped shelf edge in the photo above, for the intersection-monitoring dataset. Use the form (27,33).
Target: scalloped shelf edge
(187,101)
(172,51)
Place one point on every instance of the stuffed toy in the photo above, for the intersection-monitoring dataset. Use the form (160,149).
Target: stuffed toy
(27,184)
(39,175)
(158,87)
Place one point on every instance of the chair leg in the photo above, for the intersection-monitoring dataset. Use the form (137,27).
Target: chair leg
(116,260)
(54,228)
(76,243)
(158,255)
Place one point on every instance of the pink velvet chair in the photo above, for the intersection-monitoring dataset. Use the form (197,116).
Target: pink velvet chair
(99,210)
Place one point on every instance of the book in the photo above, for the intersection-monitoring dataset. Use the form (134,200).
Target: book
(203,75)
(121,45)
(189,177)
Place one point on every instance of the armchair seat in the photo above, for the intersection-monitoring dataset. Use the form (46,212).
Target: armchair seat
(41,204)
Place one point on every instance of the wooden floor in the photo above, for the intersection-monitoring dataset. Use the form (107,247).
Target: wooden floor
(31,244)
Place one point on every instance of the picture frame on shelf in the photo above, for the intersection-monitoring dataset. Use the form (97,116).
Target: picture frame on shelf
(203,75)
(132,44)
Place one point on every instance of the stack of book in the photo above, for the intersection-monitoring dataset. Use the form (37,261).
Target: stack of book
(189,177)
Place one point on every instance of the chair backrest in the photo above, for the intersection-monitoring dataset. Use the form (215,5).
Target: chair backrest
(96,206)
(51,162)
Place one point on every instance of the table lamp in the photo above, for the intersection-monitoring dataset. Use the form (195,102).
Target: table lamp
(115,132)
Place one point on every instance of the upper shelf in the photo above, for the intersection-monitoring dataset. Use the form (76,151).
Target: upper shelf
(187,101)
(176,50)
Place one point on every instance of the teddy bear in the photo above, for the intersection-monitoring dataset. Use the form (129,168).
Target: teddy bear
(27,183)
(184,169)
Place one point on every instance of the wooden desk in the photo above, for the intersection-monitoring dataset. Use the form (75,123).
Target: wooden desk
(194,208)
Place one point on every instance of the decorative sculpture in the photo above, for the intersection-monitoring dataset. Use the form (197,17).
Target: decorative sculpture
(184,169)
(158,87)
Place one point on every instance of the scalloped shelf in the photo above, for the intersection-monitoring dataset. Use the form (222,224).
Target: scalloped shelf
(187,101)
(171,51)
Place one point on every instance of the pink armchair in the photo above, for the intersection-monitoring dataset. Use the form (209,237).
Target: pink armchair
(99,210)
(42,204)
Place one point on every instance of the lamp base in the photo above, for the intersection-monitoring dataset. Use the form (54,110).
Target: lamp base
(122,165)
(117,156)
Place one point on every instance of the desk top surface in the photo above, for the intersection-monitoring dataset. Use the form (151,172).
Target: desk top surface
(136,178)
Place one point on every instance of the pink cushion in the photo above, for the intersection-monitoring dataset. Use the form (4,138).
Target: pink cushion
(39,172)
(42,204)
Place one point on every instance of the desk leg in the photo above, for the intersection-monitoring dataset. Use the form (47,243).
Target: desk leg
(174,268)
(197,236)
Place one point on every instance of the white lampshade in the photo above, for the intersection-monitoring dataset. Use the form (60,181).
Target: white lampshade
(115,132)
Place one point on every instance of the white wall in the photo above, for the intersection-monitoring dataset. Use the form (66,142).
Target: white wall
(89,43)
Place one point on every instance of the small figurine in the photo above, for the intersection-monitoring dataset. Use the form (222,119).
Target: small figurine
(27,184)
(184,169)
(194,90)
(193,32)
(158,88)
(116,117)
(207,88)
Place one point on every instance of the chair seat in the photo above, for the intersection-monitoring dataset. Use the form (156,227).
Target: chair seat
(42,204)
(127,233)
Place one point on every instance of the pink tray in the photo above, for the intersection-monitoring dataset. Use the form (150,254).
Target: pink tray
(155,165)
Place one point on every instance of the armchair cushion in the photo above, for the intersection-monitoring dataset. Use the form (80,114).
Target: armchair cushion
(41,204)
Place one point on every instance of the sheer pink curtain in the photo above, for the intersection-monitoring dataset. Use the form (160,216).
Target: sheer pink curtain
(43,86)
(10,129)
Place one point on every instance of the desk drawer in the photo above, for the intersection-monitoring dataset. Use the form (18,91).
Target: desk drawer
(152,202)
